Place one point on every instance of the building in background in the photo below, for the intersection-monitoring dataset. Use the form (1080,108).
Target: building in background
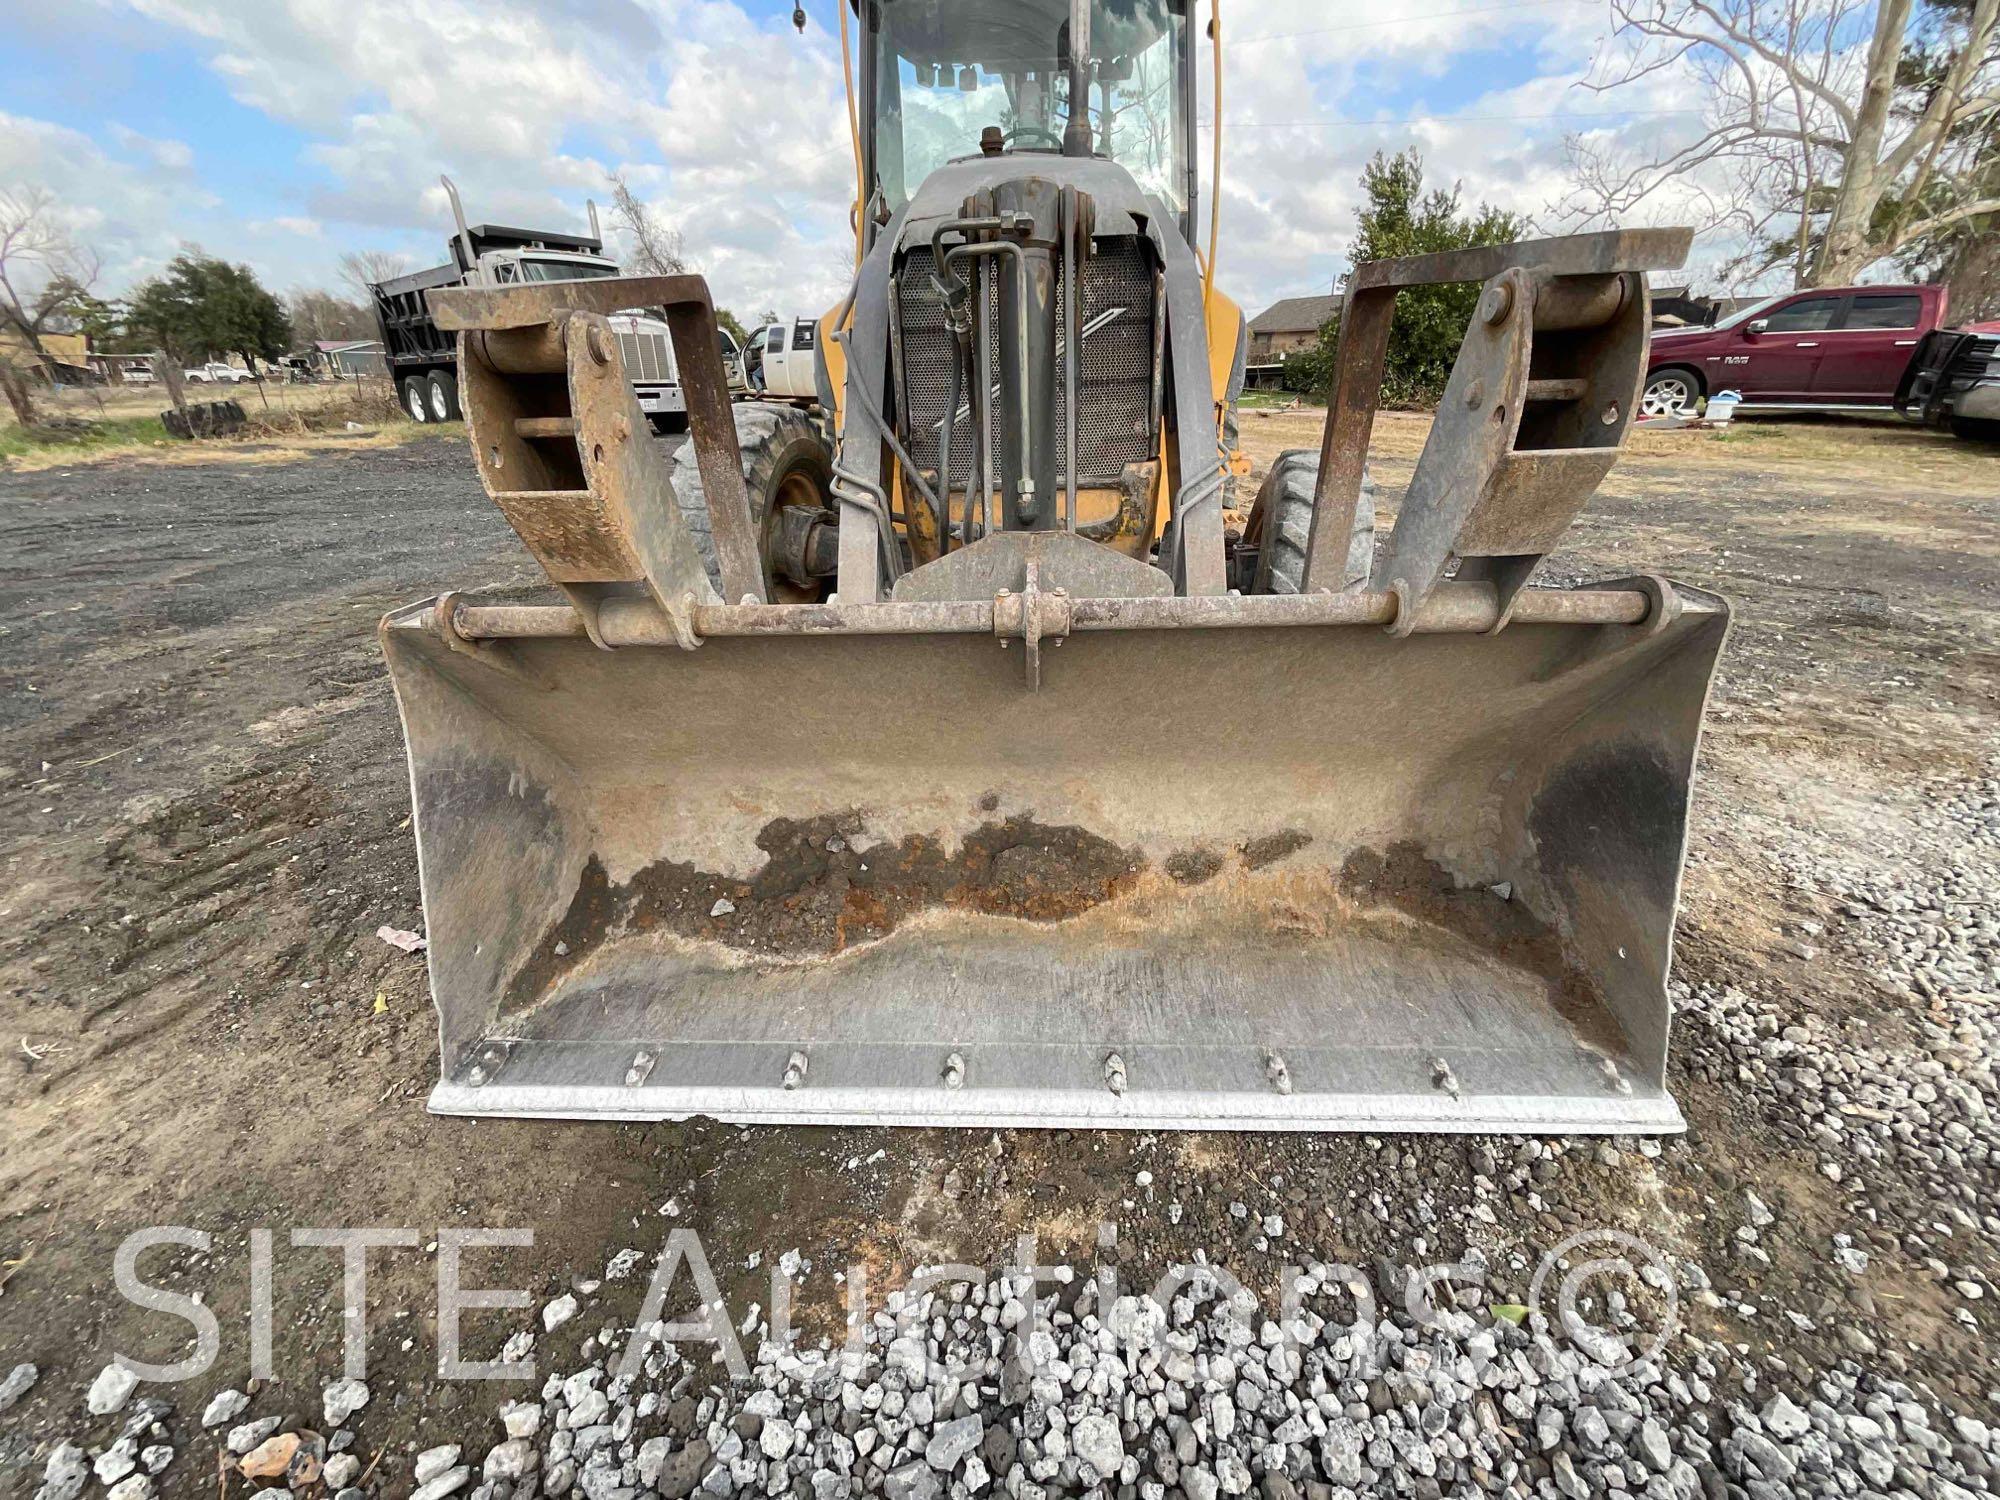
(1288,326)
(337,359)
(68,357)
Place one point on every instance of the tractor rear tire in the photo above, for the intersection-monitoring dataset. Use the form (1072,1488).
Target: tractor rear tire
(1287,502)
(786,461)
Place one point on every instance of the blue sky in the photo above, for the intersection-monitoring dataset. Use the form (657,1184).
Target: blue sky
(283,133)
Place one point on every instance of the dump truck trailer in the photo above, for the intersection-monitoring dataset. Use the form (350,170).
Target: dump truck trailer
(956,763)
(423,359)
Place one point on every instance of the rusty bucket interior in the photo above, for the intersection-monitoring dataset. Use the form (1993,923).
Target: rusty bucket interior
(1221,875)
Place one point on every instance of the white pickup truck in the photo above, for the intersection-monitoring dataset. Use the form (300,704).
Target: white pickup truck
(780,360)
(215,372)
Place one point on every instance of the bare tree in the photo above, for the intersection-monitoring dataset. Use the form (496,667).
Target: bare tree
(1969,265)
(362,269)
(317,315)
(652,247)
(1836,132)
(42,274)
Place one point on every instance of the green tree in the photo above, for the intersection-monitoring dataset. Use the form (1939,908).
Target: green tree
(201,307)
(1310,371)
(732,325)
(101,319)
(1400,218)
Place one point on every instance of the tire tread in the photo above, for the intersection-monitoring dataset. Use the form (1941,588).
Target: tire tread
(1287,501)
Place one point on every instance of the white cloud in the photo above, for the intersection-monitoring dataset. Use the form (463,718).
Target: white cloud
(677,94)
(131,216)
(1291,188)
(169,155)
(735,129)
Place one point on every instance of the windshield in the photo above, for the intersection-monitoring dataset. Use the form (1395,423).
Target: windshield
(564,270)
(946,69)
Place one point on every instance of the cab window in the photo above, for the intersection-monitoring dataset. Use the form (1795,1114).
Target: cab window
(1884,310)
(776,343)
(802,336)
(1810,315)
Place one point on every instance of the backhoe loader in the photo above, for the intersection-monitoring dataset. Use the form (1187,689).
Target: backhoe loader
(944,757)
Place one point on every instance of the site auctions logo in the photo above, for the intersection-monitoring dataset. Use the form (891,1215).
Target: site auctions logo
(1575,1286)
(1588,1256)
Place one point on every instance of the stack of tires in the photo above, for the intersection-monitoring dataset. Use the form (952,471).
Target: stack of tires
(203,419)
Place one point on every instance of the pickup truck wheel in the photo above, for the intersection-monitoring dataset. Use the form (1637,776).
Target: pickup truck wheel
(415,399)
(1975,430)
(443,394)
(1670,393)
(786,462)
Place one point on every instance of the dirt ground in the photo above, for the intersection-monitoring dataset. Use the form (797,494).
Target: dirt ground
(204,817)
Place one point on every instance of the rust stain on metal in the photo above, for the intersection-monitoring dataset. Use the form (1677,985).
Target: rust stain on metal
(1405,879)
(820,891)
(824,889)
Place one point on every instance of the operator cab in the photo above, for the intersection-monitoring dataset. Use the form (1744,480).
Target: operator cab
(937,74)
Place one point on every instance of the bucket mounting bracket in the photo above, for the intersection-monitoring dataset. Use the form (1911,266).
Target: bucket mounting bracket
(1031,616)
(565,451)
(1533,416)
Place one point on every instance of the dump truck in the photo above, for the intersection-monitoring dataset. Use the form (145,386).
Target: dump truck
(423,359)
(956,762)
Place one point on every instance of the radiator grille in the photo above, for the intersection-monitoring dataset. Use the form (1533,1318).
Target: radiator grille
(1114,420)
(646,355)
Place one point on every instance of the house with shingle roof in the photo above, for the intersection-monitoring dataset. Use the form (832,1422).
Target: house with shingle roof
(1288,326)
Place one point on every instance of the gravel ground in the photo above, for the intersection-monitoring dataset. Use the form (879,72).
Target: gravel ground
(205,822)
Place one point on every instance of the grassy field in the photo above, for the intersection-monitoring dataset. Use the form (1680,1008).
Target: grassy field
(284,421)
(120,433)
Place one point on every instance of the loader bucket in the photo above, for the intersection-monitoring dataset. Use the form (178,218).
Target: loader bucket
(1249,863)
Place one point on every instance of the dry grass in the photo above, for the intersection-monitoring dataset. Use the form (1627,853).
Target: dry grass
(284,422)
(99,403)
(1884,450)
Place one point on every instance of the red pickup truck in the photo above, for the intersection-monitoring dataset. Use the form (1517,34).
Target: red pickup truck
(1828,349)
